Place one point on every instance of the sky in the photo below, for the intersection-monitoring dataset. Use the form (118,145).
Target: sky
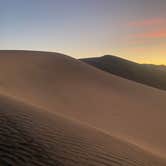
(132,29)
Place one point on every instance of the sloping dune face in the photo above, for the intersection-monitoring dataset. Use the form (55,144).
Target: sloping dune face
(32,136)
(60,84)
(151,75)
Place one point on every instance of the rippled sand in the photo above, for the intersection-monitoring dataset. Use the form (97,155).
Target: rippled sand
(55,110)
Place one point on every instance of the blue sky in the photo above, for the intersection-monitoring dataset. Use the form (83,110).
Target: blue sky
(134,29)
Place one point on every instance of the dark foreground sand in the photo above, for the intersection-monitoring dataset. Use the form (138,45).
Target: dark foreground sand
(55,110)
(32,136)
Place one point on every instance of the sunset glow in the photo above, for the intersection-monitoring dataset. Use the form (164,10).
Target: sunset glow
(133,29)
(151,35)
(148,22)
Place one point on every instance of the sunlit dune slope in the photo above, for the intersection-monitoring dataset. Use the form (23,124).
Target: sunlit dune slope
(133,112)
(36,137)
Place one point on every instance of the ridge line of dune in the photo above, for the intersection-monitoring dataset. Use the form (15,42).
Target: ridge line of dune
(64,85)
(14,99)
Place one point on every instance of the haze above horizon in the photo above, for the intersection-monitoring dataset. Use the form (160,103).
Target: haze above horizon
(132,29)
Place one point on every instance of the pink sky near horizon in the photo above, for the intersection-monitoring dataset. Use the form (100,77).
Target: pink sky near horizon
(148,22)
(133,29)
(148,36)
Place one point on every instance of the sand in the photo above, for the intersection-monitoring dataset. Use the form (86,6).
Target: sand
(56,110)
(33,136)
(147,74)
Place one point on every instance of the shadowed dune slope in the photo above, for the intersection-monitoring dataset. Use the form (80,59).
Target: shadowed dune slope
(152,75)
(130,111)
(32,136)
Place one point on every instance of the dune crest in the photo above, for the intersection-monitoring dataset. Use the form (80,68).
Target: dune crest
(59,84)
(148,74)
(37,137)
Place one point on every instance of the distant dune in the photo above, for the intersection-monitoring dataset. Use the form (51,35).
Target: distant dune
(148,74)
(56,110)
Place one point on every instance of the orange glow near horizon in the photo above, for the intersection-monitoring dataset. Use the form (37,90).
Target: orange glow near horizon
(148,22)
(151,35)
(132,29)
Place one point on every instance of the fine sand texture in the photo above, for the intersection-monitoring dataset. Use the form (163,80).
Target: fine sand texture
(56,110)
(32,136)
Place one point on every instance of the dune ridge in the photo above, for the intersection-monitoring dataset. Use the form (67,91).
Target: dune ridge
(62,85)
(148,74)
(35,136)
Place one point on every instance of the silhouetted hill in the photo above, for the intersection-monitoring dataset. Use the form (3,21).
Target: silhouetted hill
(149,74)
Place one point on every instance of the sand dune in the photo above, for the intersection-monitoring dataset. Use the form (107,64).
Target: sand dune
(151,75)
(32,136)
(132,112)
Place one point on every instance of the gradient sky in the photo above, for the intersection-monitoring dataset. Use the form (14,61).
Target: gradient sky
(133,29)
